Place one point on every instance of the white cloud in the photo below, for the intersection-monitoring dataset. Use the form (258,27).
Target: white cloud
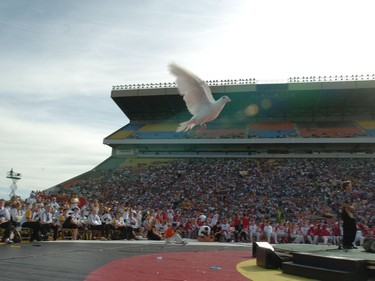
(48,153)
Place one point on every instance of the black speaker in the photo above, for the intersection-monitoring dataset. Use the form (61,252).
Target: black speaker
(267,258)
(260,244)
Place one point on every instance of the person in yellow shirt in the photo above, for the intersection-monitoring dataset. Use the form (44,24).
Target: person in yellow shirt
(31,219)
(171,235)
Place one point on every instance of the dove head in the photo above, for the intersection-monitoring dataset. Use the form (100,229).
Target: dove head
(225,99)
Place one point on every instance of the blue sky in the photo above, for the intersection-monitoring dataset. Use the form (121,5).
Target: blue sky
(60,60)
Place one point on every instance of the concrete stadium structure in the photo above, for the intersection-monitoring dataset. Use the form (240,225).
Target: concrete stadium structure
(307,117)
(303,117)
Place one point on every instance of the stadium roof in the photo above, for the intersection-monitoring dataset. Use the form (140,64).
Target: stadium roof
(251,101)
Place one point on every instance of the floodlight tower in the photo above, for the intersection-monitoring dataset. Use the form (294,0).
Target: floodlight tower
(14,177)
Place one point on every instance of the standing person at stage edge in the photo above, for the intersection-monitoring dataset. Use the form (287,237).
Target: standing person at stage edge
(349,224)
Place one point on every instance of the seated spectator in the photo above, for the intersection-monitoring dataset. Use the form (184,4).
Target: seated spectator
(119,224)
(225,229)
(148,219)
(312,235)
(5,222)
(107,220)
(337,233)
(73,222)
(48,223)
(304,229)
(201,219)
(54,205)
(16,213)
(171,235)
(323,234)
(31,219)
(191,228)
(358,240)
(281,231)
(161,227)
(204,234)
(240,234)
(295,233)
(254,231)
(152,233)
(95,224)
(133,223)
(269,232)
(63,214)
(217,232)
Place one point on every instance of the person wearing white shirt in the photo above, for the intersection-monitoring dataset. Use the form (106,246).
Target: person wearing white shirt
(48,222)
(119,224)
(359,239)
(95,223)
(254,232)
(16,214)
(31,219)
(225,228)
(204,234)
(5,222)
(268,231)
(215,218)
(73,222)
(304,228)
(107,220)
(54,205)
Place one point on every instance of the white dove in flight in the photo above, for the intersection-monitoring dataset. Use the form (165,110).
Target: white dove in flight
(198,98)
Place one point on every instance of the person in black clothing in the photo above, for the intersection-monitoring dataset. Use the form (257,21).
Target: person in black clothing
(349,224)
(152,233)
(216,230)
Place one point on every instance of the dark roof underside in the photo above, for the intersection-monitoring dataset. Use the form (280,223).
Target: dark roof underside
(280,101)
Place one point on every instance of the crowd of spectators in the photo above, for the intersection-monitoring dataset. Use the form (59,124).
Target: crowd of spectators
(241,200)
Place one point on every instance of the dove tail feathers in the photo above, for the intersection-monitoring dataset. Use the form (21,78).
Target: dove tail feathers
(185,126)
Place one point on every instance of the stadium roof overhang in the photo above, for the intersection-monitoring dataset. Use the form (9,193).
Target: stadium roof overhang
(288,100)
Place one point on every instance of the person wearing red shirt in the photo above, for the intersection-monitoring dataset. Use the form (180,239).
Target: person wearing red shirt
(312,234)
(336,233)
(323,234)
(171,235)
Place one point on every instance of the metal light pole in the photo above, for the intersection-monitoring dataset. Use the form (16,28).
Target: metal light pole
(14,177)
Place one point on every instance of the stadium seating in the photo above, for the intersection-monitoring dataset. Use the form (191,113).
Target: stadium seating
(255,130)
(160,135)
(329,130)
(122,134)
(125,131)
(371,132)
(272,133)
(368,126)
(162,127)
(220,133)
(272,130)
(272,126)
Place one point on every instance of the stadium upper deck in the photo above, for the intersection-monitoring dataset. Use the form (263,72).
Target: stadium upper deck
(304,116)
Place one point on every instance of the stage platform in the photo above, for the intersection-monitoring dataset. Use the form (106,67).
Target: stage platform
(326,262)
(325,250)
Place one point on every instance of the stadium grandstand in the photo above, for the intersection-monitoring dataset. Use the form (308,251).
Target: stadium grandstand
(302,117)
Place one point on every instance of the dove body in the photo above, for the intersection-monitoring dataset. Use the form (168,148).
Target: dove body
(198,98)
(203,118)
